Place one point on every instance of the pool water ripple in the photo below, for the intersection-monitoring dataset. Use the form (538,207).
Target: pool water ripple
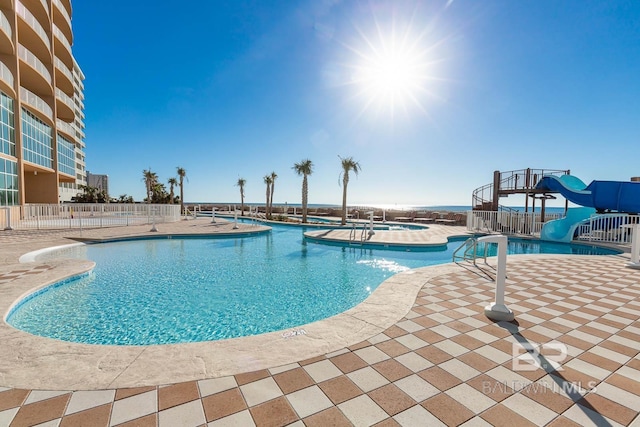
(163,291)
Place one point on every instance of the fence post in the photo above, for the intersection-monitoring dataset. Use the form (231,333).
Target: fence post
(8,226)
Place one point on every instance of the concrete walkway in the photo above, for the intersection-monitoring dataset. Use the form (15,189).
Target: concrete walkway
(418,352)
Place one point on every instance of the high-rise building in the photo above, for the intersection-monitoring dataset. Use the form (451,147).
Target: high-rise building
(101,182)
(41,104)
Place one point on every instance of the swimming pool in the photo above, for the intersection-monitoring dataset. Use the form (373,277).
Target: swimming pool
(177,290)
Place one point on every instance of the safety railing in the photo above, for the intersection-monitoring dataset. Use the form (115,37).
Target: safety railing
(512,222)
(608,228)
(471,251)
(85,215)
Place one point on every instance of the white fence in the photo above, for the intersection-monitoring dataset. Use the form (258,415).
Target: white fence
(85,215)
(608,228)
(525,223)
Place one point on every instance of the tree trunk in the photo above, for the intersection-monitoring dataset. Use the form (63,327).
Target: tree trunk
(305,193)
(345,182)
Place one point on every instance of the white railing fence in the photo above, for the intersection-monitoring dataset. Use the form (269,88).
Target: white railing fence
(85,215)
(608,228)
(507,222)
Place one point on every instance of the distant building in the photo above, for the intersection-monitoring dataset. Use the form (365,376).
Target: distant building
(42,158)
(101,182)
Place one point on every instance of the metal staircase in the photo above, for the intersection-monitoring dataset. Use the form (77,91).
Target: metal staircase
(522,181)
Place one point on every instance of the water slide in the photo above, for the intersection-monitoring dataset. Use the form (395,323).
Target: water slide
(618,196)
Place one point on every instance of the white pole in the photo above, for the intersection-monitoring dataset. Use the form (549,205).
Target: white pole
(498,310)
(213,215)
(635,245)
(8,227)
(153,227)
(235,218)
(371,232)
(384,215)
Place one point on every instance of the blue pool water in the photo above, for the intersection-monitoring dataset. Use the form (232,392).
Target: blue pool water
(199,289)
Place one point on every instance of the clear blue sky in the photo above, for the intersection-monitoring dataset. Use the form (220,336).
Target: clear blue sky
(430,97)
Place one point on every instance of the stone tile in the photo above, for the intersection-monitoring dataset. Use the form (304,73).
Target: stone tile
(40,412)
(529,409)
(7,416)
(260,391)
(308,401)
(393,347)
(367,379)
(417,388)
(322,370)
(470,397)
(284,368)
(276,412)
(495,389)
(223,404)
(348,362)
(329,417)
(414,362)
(392,370)
(417,416)
(440,378)
(362,411)
(250,377)
(293,380)
(95,417)
(146,421)
(81,400)
(123,393)
(411,342)
(189,414)
(372,355)
(340,389)
(13,398)
(216,385)
(177,394)
(448,410)
(459,369)
(608,408)
(392,399)
(500,415)
(433,354)
(239,419)
(133,407)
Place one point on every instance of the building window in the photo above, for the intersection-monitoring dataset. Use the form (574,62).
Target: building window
(66,150)
(8,182)
(36,140)
(7,128)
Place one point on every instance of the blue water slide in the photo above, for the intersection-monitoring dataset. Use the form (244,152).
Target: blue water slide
(619,196)
(563,229)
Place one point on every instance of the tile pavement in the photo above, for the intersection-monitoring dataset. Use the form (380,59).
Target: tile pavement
(444,363)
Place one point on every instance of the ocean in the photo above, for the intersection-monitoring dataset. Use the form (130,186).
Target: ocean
(390,207)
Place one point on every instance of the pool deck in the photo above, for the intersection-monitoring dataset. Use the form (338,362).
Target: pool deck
(419,351)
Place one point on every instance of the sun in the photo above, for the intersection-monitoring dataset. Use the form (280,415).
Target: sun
(394,67)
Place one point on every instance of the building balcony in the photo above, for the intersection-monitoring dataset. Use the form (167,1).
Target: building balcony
(5,76)
(33,73)
(62,19)
(64,78)
(67,129)
(62,47)
(39,8)
(64,106)
(67,6)
(31,33)
(36,103)
(6,35)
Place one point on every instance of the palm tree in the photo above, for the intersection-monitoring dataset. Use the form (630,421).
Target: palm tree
(304,168)
(172,183)
(273,184)
(268,181)
(241,182)
(182,173)
(150,179)
(348,164)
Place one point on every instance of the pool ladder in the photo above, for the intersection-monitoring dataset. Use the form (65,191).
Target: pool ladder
(353,234)
(469,250)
